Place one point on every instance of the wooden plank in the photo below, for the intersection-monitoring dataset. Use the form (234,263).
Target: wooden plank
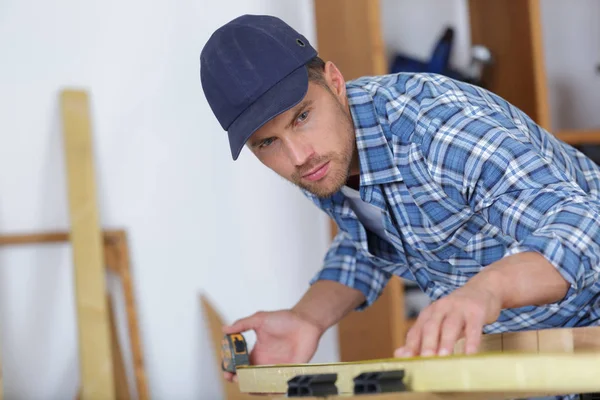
(501,372)
(586,340)
(490,343)
(540,84)
(120,375)
(36,238)
(60,237)
(95,357)
(123,265)
(511,29)
(47,237)
(555,340)
(521,342)
(349,34)
(579,137)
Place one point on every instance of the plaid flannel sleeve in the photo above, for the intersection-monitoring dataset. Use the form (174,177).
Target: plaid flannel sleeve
(344,264)
(489,160)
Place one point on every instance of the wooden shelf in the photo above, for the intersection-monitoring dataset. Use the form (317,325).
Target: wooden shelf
(579,137)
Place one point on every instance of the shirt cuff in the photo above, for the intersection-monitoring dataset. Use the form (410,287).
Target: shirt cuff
(573,267)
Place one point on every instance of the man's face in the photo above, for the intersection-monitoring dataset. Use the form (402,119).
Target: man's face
(313,144)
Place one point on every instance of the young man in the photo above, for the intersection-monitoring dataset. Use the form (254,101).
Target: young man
(427,178)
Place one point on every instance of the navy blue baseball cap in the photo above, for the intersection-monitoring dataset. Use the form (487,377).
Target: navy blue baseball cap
(252,69)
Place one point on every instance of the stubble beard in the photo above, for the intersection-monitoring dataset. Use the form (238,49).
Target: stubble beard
(339,164)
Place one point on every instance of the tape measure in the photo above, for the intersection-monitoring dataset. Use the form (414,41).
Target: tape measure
(234,352)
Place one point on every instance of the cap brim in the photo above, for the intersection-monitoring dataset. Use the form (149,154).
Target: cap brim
(281,97)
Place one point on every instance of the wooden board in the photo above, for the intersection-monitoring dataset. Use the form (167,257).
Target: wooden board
(497,373)
(349,34)
(558,340)
(120,375)
(122,265)
(95,356)
(516,362)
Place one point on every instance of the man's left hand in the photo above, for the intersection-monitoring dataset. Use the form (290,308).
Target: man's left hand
(463,313)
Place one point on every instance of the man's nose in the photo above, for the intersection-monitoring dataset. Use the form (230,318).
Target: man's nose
(299,151)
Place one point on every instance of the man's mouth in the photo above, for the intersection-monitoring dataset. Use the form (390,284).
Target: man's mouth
(317,173)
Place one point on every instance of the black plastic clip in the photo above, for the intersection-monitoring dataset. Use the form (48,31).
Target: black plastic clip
(590,396)
(379,382)
(312,385)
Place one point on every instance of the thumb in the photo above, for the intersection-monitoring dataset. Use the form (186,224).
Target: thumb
(245,324)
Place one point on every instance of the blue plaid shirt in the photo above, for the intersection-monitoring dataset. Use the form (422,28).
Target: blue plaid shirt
(464,179)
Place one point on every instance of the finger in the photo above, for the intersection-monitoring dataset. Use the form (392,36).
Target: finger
(413,336)
(412,343)
(399,352)
(473,329)
(452,328)
(245,324)
(430,336)
(228,376)
(252,356)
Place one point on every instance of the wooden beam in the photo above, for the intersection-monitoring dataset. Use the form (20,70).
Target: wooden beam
(120,375)
(24,239)
(124,271)
(37,238)
(95,356)
(496,373)
(511,29)
(349,34)
(557,340)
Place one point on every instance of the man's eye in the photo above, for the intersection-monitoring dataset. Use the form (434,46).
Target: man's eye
(266,142)
(303,116)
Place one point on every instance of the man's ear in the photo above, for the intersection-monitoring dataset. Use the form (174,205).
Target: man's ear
(335,79)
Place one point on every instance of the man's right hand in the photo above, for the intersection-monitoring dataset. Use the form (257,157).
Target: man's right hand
(292,336)
(281,337)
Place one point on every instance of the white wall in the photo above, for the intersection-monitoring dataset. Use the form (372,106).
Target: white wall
(572,52)
(197,221)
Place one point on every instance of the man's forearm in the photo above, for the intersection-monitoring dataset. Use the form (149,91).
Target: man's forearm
(521,280)
(327,302)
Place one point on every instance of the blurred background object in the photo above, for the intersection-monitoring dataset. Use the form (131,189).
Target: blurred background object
(439,63)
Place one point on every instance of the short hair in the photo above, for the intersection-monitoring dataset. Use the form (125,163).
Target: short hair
(316,67)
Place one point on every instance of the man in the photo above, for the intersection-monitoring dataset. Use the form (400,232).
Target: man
(431,179)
